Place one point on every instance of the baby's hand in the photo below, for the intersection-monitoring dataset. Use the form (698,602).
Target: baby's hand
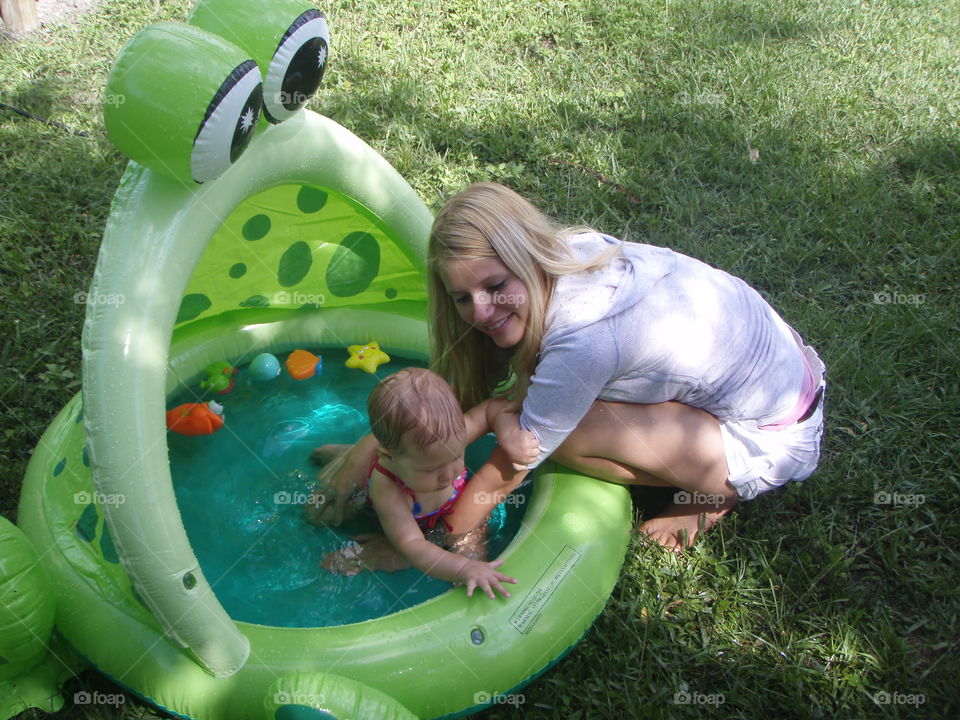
(484,575)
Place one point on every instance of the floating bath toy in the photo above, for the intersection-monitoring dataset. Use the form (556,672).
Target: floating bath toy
(217,215)
(264,367)
(302,364)
(367,357)
(219,377)
(195,418)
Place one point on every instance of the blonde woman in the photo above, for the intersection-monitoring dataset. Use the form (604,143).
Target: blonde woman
(630,363)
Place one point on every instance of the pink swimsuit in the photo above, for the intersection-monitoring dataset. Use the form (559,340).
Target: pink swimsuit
(427,520)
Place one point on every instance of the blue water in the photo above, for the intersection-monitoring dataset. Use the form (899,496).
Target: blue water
(241,489)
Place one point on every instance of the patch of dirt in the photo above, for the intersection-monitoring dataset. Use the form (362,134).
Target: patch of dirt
(58,12)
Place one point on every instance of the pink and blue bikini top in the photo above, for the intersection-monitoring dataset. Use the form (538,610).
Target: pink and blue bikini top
(427,520)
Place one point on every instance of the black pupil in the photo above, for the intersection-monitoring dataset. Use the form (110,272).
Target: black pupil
(304,74)
(246,123)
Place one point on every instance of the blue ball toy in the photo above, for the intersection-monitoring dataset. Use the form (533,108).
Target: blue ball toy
(264,367)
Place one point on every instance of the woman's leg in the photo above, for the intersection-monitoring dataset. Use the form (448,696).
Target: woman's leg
(667,444)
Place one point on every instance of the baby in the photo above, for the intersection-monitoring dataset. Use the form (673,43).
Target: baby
(415,470)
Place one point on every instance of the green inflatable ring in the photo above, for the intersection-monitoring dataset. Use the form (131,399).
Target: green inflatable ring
(307,238)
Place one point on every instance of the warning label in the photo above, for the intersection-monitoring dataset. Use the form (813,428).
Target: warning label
(529,611)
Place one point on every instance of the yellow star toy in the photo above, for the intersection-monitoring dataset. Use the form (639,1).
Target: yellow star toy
(367,357)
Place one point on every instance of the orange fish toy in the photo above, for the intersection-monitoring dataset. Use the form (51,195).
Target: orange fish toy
(302,364)
(195,418)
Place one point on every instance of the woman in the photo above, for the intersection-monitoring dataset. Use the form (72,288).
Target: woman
(631,363)
(627,362)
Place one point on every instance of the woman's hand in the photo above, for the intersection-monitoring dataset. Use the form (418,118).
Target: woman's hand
(521,446)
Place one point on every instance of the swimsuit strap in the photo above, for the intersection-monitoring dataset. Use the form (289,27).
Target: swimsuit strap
(400,483)
(429,519)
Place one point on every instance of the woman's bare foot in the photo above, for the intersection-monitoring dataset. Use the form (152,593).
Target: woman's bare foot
(367,552)
(680,524)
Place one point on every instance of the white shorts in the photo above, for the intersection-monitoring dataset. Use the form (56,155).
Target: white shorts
(761,460)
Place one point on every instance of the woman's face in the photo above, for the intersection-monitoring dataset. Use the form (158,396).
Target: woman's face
(488,296)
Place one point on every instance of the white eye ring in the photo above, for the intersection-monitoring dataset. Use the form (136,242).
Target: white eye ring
(229,123)
(309,34)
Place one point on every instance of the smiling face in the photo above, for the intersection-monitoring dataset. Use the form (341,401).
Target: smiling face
(489,297)
(431,469)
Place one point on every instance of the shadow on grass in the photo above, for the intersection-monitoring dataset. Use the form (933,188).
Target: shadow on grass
(835,247)
(58,188)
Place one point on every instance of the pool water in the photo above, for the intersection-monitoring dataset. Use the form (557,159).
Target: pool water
(241,492)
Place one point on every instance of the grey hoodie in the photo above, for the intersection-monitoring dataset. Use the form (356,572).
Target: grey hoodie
(653,326)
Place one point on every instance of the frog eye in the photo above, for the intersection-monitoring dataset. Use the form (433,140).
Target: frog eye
(289,39)
(297,66)
(182,101)
(228,124)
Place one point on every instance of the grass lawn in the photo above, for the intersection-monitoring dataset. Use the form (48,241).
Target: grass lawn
(811,147)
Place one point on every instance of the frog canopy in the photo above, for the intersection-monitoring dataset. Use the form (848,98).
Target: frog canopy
(310,222)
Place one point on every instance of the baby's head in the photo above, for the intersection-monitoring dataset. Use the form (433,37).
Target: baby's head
(420,427)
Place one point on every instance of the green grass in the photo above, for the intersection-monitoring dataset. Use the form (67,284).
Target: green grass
(810,147)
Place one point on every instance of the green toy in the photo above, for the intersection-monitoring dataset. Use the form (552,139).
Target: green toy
(219,377)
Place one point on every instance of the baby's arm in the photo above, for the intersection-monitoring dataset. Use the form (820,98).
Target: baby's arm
(403,532)
(497,415)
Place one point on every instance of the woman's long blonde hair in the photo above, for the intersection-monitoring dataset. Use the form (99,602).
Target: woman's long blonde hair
(488,220)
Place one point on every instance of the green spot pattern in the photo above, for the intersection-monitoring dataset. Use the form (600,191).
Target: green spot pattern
(302,712)
(192,305)
(316,247)
(311,199)
(256,227)
(294,264)
(87,524)
(354,266)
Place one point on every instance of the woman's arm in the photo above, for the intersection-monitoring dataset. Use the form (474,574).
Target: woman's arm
(499,416)
(345,475)
(496,479)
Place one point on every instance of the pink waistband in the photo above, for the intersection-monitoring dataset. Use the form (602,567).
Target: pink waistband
(808,392)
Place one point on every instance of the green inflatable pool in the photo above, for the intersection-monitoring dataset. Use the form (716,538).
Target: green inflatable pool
(307,238)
